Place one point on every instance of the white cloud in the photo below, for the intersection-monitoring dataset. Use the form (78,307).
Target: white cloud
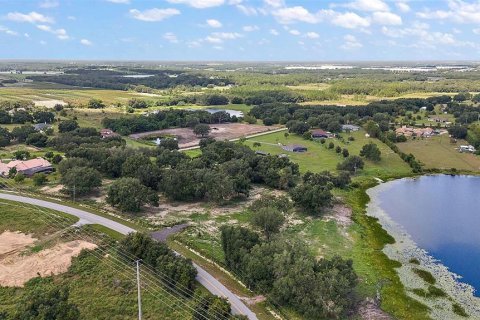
(476,30)
(59,33)
(274,3)
(274,32)
(421,34)
(368,5)
(227,35)
(218,47)
(86,42)
(26,35)
(214,23)
(386,18)
(73,18)
(250,28)
(459,11)
(170,37)
(194,44)
(213,39)
(295,32)
(42,42)
(154,14)
(293,14)
(403,6)
(350,20)
(32,17)
(247,10)
(119,1)
(199,4)
(8,31)
(312,35)
(49,4)
(351,42)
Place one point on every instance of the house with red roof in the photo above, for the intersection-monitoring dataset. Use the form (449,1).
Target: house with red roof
(27,167)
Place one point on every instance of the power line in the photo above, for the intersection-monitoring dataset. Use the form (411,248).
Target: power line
(124,254)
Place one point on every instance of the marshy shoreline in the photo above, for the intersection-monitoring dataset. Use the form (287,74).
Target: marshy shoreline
(411,257)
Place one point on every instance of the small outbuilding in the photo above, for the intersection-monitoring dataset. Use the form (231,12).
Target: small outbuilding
(40,127)
(295,148)
(107,133)
(350,127)
(262,153)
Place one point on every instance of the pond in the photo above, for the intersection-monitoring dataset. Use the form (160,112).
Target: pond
(441,214)
(232,113)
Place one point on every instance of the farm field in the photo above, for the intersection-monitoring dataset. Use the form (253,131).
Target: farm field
(319,158)
(438,152)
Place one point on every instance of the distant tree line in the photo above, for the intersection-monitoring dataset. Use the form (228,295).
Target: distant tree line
(108,79)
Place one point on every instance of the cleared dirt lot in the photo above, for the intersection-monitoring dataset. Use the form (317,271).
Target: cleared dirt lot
(17,265)
(186,138)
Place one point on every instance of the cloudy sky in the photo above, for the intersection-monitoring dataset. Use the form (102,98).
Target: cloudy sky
(314,30)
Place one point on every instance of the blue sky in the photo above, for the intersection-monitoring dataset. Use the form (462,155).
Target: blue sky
(255,30)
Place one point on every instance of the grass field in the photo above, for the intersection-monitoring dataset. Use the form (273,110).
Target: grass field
(320,158)
(438,152)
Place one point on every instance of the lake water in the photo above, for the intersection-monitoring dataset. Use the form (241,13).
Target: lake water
(442,215)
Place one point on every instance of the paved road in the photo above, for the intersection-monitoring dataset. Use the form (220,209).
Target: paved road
(203,277)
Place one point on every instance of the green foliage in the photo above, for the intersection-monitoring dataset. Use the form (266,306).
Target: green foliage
(129,194)
(459,310)
(371,152)
(169,143)
(21,155)
(21,133)
(178,270)
(351,164)
(95,104)
(202,130)
(45,304)
(313,199)
(38,140)
(39,179)
(208,307)
(458,132)
(425,275)
(269,220)
(67,126)
(5,137)
(19,177)
(80,180)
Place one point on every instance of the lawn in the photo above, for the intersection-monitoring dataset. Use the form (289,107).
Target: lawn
(320,158)
(438,152)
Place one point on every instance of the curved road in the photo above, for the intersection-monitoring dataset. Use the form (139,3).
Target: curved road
(203,277)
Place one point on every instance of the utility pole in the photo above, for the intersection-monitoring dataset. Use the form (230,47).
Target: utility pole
(138,290)
(74,192)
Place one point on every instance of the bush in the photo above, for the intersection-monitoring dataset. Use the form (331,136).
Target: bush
(39,179)
(370,151)
(351,164)
(129,194)
(19,177)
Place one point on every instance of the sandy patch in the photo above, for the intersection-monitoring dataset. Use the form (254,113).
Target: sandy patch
(11,242)
(341,214)
(369,310)
(52,190)
(17,268)
(48,103)
(186,138)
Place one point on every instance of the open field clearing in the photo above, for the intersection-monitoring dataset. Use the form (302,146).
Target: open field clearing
(74,96)
(438,152)
(319,158)
(186,138)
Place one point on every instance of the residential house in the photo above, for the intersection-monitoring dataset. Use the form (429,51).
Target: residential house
(350,127)
(414,132)
(107,133)
(41,127)
(319,134)
(27,167)
(262,153)
(295,148)
(438,120)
